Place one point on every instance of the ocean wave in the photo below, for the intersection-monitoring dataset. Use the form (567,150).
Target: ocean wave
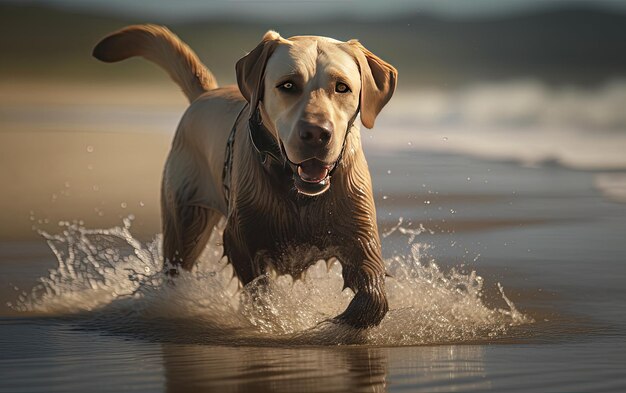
(515,104)
(527,122)
(612,185)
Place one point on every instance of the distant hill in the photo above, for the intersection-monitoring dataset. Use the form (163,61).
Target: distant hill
(562,45)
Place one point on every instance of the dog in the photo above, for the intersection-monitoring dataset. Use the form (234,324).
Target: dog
(264,153)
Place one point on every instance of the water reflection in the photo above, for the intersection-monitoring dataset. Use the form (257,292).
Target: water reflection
(247,369)
(440,368)
(346,369)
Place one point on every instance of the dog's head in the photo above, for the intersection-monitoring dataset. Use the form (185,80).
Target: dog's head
(308,90)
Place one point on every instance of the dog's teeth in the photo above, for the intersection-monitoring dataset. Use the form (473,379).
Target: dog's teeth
(305,177)
(329,263)
(271,271)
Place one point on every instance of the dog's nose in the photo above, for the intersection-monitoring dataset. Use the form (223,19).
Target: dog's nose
(315,134)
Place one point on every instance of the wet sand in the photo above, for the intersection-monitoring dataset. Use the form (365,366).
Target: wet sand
(69,153)
(99,177)
(545,233)
(95,177)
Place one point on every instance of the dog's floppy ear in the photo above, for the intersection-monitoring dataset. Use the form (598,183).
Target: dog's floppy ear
(251,68)
(378,82)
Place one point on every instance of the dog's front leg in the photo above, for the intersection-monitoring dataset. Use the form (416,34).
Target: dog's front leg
(367,280)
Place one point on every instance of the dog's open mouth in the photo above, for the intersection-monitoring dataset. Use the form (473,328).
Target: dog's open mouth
(312,177)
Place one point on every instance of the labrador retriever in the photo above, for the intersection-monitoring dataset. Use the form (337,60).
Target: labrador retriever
(264,153)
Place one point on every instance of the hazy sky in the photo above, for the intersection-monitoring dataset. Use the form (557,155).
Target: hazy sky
(284,9)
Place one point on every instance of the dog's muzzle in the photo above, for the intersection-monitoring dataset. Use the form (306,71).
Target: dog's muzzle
(310,177)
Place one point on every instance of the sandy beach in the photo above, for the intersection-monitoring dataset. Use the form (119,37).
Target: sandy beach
(545,233)
(498,171)
(83,155)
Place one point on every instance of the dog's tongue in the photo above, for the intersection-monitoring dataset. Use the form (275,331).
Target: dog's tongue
(312,171)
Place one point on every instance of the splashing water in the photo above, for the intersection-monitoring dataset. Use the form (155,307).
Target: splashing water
(116,281)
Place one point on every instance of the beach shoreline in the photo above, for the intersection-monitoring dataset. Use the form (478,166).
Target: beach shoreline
(480,233)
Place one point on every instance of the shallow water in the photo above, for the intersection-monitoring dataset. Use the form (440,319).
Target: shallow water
(118,280)
(507,268)
(530,259)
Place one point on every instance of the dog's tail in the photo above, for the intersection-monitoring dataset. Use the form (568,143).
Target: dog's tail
(161,46)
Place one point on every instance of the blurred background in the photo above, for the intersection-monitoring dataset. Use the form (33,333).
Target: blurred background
(537,83)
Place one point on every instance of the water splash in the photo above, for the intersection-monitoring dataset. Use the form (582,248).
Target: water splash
(116,281)
(411,233)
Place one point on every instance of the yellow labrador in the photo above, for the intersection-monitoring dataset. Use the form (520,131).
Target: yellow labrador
(264,154)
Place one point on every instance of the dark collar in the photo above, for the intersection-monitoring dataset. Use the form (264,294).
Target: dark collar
(266,145)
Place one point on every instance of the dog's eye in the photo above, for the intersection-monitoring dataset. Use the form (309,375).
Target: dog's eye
(287,86)
(342,88)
